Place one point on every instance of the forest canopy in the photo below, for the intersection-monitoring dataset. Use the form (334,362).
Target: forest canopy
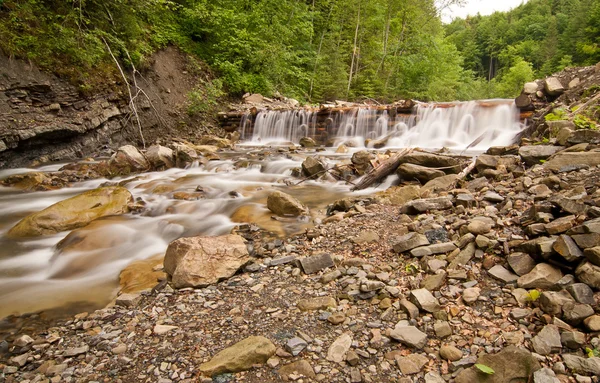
(312,50)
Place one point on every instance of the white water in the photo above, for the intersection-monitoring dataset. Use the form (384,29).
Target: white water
(476,125)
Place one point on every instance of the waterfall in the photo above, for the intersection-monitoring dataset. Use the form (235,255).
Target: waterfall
(475,124)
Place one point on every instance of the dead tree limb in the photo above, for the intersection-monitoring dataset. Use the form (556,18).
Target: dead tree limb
(386,168)
(131,98)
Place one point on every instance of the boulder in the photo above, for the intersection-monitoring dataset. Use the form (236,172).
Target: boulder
(567,248)
(419,206)
(307,142)
(543,276)
(553,87)
(74,212)
(431,160)
(300,367)
(587,366)
(567,160)
(128,159)
(416,172)
(510,365)
(410,241)
(219,142)
(533,154)
(439,184)
(317,303)
(589,274)
(184,155)
(530,87)
(362,162)
(202,261)
(587,136)
(160,157)
(240,357)
(521,263)
(284,204)
(311,167)
(32,181)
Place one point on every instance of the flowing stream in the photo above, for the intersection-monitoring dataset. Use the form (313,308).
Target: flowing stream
(36,275)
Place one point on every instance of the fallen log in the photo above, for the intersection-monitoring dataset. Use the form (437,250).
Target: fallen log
(386,168)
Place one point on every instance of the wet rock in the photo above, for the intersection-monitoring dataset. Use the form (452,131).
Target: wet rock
(570,159)
(411,364)
(299,368)
(410,241)
(567,248)
(307,142)
(160,157)
(423,174)
(587,366)
(31,181)
(74,212)
(510,365)
(316,263)
(128,159)
(589,274)
(184,155)
(423,205)
(424,300)
(431,160)
(240,357)
(521,263)
(362,161)
(317,303)
(543,276)
(409,336)
(533,154)
(338,349)
(202,261)
(311,167)
(219,142)
(547,341)
(284,204)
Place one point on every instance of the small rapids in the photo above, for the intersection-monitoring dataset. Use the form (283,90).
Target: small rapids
(37,275)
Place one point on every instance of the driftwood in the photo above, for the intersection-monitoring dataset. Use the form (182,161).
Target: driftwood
(386,168)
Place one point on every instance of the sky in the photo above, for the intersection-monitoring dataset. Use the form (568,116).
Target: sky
(484,7)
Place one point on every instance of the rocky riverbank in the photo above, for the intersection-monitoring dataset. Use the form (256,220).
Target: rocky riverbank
(492,277)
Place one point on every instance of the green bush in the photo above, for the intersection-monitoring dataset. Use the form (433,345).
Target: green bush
(205,96)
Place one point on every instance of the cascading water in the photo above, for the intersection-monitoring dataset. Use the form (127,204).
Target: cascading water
(474,124)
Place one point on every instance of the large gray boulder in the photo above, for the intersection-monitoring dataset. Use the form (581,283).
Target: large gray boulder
(128,159)
(203,261)
(160,157)
(566,160)
(553,86)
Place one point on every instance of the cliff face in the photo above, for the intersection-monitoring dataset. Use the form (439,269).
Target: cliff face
(44,118)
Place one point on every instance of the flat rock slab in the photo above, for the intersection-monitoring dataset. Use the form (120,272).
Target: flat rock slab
(300,367)
(316,263)
(410,241)
(419,206)
(240,357)
(587,366)
(338,349)
(510,365)
(410,336)
(318,303)
(424,300)
(500,273)
(543,276)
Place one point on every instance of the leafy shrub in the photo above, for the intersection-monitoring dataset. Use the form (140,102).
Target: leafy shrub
(205,96)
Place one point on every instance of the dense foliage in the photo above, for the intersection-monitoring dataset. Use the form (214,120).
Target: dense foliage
(311,50)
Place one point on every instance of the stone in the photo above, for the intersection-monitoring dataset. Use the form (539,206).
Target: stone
(547,341)
(587,241)
(338,349)
(520,313)
(493,197)
(296,345)
(582,293)
(366,236)
(545,375)
(284,204)
(551,302)
(311,167)
(442,329)
(307,142)
(411,364)
(592,323)
(586,366)
(71,352)
(300,367)
(593,255)
(434,282)
(471,294)
(587,136)
(317,303)
(410,241)
(128,159)
(316,263)
(184,155)
(240,357)
(478,227)
(20,360)
(543,276)
(540,191)
(530,87)
(450,353)
(432,160)
(589,274)
(161,329)
(160,157)
(567,248)
(352,358)
(22,341)
(434,377)
(411,309)
(573,339)
(512,364)
(419,206)
(569,159)
(521,263)
(592,226)
(533,154)
(336,318)
(466,200)
(409,336)
(370,285)
(424,300)
(500,273)
(74,212)
(463,257)
(202,261)
(423,174)
(362,161)
(574,313)
(439,184)
(128,300)
(553,87)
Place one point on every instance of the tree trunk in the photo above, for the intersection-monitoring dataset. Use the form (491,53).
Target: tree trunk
(353,51)
(385,169)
